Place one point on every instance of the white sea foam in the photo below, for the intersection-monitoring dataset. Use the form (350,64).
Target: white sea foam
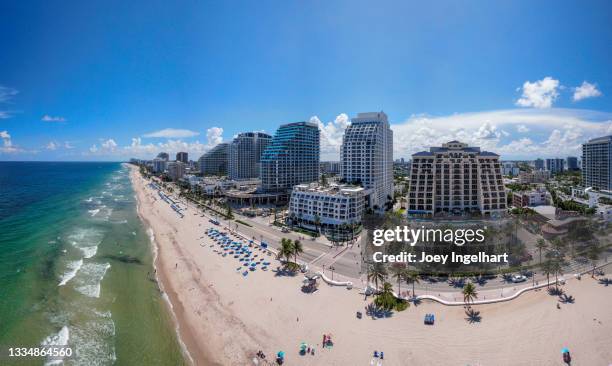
(89,252)
(93,212)
(91,277)
(93,340)
(60,338)
(73,268)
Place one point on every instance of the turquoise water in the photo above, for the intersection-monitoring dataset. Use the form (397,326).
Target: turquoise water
(76,267)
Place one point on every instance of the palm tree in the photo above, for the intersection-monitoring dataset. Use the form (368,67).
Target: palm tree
(298,249)
(547,269)
(413,278)
(469,293)
(317,222)
(556,268)
(377,273)
(540,245)
(593,255)
(398,274)
(286,250)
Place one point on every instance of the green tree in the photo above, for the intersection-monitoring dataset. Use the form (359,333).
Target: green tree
(469,293)
(377,273)
(286,250)
(541,245)
(298,249)
(412,277)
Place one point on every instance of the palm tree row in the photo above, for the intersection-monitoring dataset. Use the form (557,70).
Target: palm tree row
(378,273)
(289,248)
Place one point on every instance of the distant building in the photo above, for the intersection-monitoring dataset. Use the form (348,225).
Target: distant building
(163,156)
(366,156)
(328,207)
(329,167)
(510,168)
(291,158)
(538,164)
(245,153)
(159,165)
(536,176)
(456,178)
(533,198)
(572,163)
(555,166)
(215,161)
(597,163)
(176,170)
(183,157)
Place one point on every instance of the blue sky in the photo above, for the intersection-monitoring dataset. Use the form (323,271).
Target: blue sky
(110,80)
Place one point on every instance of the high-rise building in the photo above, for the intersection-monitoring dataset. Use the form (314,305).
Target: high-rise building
(159,165)
(245,153)
(176,170)
(366,156)
(163,156)
(510,168)
(538,164)
(291,158)
(183,157)
(329,207)
(456,178)
(555,166)
(597,163)
(329,167)
(572,163)
(214,161)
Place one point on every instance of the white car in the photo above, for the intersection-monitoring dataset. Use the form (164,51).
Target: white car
(518,278)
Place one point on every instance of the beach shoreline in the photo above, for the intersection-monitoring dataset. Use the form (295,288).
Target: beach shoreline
(224,318)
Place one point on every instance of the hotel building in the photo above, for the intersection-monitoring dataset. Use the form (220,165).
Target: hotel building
(533,198)
(215,161)
(291,158)
(456,178)
(163,156)
(245,153)
(572,163)
(597,163)
(366,157)
(159,165)
(536,176)
(333,205)
(538,164)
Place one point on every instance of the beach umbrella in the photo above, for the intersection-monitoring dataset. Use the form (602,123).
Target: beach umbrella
(280,354)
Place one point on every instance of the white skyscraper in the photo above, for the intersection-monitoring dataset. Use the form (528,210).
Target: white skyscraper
(366,156)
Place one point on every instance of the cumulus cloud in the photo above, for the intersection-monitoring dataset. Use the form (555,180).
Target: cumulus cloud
(331,135)
(539,94)
(172,133)
(522,129)
(52,145)
(584,91)
(48,118)
(138,149)
(214,136)
(7,144)
(485,129)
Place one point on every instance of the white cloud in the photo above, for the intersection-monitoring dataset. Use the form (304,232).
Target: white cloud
(7,93)
(68,145)
(586,90)
(172,133)
(331,135)
(7,144)
(539,94)
(214,136)
(522,129)
(48,118)
(482,129)
(51,146)
(136,149)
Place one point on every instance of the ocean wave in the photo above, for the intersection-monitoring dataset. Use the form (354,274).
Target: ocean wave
(73,268)
(60,338)
(86,240)
(94,212)
(91,278)
(89,252)
(93,340)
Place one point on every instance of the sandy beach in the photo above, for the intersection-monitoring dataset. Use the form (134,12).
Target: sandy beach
(224,318)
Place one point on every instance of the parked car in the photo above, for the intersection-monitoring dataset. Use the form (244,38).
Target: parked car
(519,278)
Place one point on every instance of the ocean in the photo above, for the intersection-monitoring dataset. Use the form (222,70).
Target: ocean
(76,267)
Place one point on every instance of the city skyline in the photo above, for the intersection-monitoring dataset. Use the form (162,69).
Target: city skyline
(140,87)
